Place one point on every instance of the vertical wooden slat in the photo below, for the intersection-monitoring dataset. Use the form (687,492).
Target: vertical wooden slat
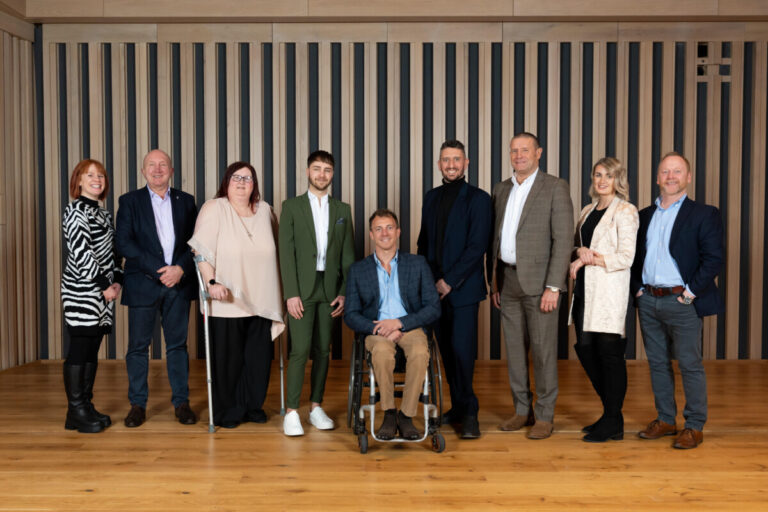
(438,110)
(462,75)
(256,114)
(599,108)
(324,95)
(302,116)
(531,86)
(667,101)
(52,188)
(30,199)
(485,106)
(553,109)
(645,123)
(233,102)
(5,207)
(210,106)
(577,52)
(417,99)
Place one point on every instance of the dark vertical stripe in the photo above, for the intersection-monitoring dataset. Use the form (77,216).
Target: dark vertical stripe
(314,102)
(519,99)
(109,154)
(359,145)
(153,113)
(63,161)
(633,120)
(450,91)
(587,95)
(178,164)
(381,125)
(85,104)
(679,106)
(267,126)
(657,79)
(701,140)
(497,153)
(542,100)
(473,113)
(427,114)
(199,117)
(746,197)
(130,110)
(290,119)
(725,122)
(245,102)
(565,111)
(611,68)
(336,121)
(221,108)
(405,145)
(41,205)
(764,353)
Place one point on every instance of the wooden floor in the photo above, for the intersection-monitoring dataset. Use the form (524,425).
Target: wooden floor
(164,466)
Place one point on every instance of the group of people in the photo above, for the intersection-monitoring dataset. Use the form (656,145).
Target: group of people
(520,241)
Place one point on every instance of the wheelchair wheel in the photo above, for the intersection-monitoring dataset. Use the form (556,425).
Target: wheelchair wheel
(362,441)
(438,443)
(351,409)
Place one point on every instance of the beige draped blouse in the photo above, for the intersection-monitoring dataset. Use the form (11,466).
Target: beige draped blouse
(242,251)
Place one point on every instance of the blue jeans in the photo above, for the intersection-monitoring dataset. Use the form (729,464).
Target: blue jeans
(673,330)
(174,314)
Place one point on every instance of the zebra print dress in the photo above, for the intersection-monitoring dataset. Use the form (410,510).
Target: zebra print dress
(92,266)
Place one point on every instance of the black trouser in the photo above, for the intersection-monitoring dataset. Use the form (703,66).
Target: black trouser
(602,356)
(241,358)
(456,333)
(83,349)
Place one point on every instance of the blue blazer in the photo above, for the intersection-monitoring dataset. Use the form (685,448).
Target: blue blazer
(696,245)
(465,242)
(137,241)
(417,291)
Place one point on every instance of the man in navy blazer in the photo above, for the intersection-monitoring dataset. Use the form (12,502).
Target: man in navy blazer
(679,254)
(154,224)
(391,298)
(454,236)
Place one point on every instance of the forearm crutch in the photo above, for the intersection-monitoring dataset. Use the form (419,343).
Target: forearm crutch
(282,384)
(204,300)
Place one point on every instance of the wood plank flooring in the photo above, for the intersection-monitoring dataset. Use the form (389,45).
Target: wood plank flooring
(164,466)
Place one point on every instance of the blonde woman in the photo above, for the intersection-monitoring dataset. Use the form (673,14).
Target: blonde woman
(603,254)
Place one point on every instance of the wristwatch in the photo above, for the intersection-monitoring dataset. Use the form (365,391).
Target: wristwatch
(687,300)
(211,282)
(553,289)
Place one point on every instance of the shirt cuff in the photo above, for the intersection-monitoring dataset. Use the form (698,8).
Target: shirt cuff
(689,291)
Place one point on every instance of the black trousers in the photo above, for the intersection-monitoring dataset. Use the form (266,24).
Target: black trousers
(456,333)
(241,358)
(83,349)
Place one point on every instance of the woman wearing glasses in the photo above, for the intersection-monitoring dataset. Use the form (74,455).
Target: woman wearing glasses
(235,234)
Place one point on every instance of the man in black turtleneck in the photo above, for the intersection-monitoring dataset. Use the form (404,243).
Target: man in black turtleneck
(455,231)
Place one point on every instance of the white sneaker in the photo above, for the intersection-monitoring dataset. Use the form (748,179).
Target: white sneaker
(320,420)
(292,424)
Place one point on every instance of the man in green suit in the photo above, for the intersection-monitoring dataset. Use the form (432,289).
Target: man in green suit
(316,251)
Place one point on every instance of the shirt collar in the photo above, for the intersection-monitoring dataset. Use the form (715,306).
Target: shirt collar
(323,199)
(526,181)
(152,194)
(673,205)
(393,260)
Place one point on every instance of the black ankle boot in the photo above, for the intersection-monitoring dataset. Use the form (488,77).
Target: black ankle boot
(611,427)
(79,415)
(89,376)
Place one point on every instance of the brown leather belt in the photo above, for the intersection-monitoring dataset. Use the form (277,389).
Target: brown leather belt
(663,292)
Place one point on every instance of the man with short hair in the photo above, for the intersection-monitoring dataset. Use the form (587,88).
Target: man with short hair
(391,297)
(533,239)
(152,228)
(455,230)
(679,254)
(316,249)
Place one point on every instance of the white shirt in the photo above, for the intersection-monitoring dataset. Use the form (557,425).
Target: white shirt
(517,197)
(320,214)
(161,207)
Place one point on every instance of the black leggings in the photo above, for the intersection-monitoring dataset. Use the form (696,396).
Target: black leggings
(83,349)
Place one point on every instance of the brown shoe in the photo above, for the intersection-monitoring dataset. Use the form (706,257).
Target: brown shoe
(185,414)
(136,416)
(517,422)
(657,429)
(406,427)
(688,439)
(541,430)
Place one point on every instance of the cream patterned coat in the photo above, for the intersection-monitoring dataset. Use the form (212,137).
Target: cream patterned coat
(606,290)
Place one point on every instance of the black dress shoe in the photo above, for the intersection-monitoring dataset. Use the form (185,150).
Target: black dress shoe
(256,416)
(185,414)
(450,417)
(608,428)
(388,428)
(136,416)
(470,428)
(229,424)
(407,429)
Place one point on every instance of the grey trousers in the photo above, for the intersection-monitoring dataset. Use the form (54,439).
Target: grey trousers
(673,330)
(521,318)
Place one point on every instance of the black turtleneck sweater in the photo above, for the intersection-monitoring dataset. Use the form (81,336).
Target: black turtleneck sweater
(447,198)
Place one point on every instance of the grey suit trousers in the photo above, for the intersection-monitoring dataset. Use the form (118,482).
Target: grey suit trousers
(522,322)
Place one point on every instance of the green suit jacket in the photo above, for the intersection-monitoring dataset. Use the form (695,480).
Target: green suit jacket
(298,248)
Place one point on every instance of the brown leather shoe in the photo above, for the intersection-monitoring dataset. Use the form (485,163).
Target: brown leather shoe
(185,414)
(657,429)
(688,439)
(136,416)
(541,430)
(517,422)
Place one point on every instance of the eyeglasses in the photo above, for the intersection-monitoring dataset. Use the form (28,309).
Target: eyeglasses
(244,179)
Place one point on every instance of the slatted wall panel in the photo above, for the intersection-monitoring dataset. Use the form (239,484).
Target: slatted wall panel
(382,97)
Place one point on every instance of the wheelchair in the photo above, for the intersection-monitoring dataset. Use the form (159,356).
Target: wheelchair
(361,376)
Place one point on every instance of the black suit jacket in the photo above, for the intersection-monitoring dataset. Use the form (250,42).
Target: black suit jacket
(465,242)
(696,245)
(136,240)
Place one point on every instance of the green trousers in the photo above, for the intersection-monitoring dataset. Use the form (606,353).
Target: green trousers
(310,335)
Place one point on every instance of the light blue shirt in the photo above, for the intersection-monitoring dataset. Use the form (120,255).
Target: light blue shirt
(659,268)
(390,302)
(164,223)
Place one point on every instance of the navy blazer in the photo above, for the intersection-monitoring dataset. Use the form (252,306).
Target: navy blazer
(137,241)
(465,242)
(696,245)
(417,291)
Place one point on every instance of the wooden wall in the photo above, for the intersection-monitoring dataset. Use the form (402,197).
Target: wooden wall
(383,96)
(19,197)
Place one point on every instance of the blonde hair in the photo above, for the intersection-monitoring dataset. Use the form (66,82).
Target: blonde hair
(619,173)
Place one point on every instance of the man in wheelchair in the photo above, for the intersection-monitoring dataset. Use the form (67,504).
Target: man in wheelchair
(391,297)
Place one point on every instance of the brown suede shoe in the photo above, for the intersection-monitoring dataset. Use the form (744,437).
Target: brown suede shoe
(541,430)
(517,422)
(688,439)
(657,429)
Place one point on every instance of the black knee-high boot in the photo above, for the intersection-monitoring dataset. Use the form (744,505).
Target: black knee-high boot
(591,363)
(79,415)
(610,350)
(89,377)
